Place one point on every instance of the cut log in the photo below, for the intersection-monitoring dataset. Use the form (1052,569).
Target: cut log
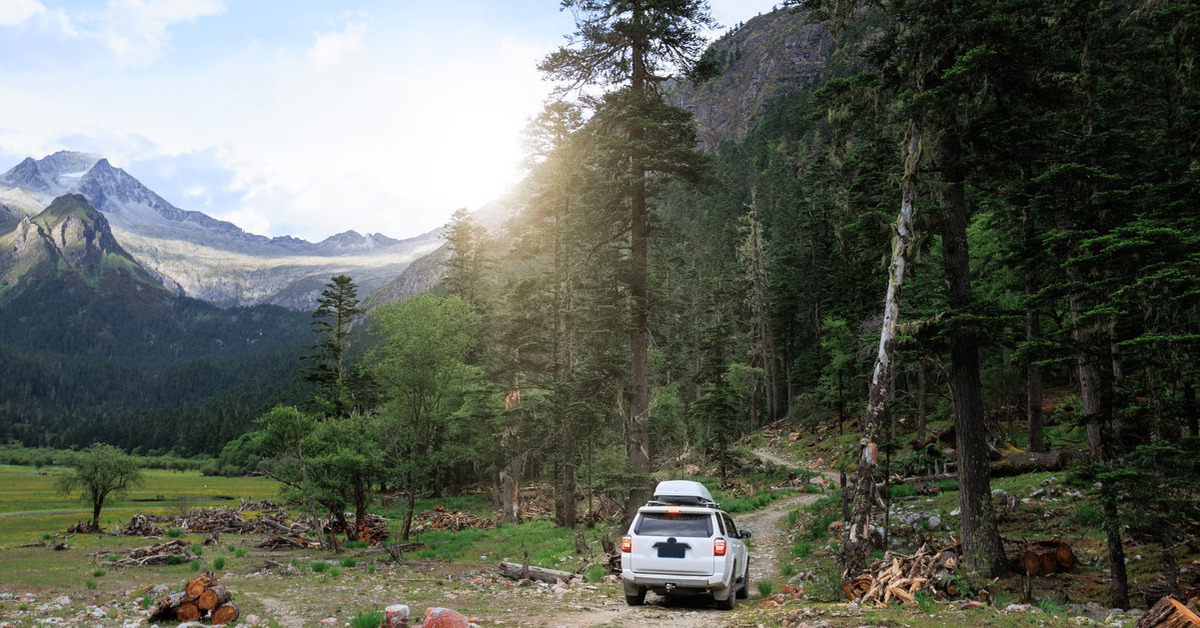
(541,574)
(188,611)
(199,584)
(225,613)
(213,597)
(1020,462)
(1169,613)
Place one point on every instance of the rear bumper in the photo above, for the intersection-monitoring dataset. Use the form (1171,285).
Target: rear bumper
(661,583)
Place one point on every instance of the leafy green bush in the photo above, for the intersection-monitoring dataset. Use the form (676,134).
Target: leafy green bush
(219,563)
(319,566)
(349,561)
(802,549)
(175,559)
(198,549)
(174,533)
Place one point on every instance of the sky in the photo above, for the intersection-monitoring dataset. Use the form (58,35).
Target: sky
(290,117)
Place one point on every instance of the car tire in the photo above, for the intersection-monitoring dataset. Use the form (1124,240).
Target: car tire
(730,602)
(744,591)
(637,599)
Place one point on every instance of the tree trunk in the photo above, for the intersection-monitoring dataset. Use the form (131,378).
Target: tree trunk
(541,574)
(922,403)
(982,548)
(213,597)
(858,533)
(1033,331)
(1116,550)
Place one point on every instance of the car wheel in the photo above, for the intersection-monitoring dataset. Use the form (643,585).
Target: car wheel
(636,599)
(730,602)
(744,591)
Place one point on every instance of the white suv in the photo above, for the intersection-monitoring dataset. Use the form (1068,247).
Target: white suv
(682,543)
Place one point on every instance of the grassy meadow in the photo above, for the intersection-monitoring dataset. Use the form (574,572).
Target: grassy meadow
(29,506)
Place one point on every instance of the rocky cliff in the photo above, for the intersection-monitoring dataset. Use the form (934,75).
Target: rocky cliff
(758,63)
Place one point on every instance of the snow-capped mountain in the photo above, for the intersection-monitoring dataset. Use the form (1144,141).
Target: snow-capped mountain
(197,255)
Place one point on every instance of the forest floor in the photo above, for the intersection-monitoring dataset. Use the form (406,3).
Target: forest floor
(40,587)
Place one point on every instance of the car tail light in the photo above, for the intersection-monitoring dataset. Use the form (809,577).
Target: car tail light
(719,547)
(626,544)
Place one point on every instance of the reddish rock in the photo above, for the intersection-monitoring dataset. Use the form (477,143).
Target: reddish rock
(439,617)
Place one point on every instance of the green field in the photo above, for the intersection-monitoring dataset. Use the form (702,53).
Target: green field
(30,508)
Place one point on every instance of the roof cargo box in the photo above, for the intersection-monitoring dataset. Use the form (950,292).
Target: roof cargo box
(682,492)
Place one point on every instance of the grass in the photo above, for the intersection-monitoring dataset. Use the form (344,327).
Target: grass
(765,587)
(219,563)
(370,619)
(29,505)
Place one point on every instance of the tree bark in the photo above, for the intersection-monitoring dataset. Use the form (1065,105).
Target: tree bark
(982,548)
(858,532)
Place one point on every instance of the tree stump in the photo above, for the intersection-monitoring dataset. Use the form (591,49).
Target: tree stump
(199,584)
(1169,613)
(225,613)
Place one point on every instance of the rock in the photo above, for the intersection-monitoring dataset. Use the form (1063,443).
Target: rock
(329,621)
(935,522)
(395,616)
(438,617)
(62,600)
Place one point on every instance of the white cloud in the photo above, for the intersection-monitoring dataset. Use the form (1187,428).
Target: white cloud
(13,12)
(331,49)
(137,30)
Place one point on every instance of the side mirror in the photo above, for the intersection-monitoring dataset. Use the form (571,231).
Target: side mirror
(745,534)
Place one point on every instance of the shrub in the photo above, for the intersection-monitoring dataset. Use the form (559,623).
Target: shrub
(174,533)
(219,563)
(802,549)
(335,572)
(239,552)
(349,561)
(355,544)
(369,619)
(789,570)
(98,573)
(595,573)
(174,559)
(91,584)
(319,566)
(198,549)
(765,587)
(195,564)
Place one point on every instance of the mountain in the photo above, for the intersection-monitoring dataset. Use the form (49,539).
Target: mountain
(93,347)
(196,255)
(757,63)
(68,237)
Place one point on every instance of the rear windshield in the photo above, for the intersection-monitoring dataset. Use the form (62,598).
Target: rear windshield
(681,524)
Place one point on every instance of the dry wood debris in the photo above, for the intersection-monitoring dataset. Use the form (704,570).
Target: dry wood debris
(453,520)
(140,525)
(900,578)
(157,554)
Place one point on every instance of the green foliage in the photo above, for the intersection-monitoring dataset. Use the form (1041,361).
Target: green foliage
(239,552)
(195,564)
(175,559)
(174,533)
(219,563)
(765,587)
(802,549)
(369,619)
(349,561)
(925,601)
(1051,606)
(97,473)
(319,566)
(98,573)
(595,573)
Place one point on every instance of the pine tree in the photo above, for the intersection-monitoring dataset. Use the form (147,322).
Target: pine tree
(336,311)
(631,46)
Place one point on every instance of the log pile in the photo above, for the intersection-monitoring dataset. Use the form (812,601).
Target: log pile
(157,554)
(453,520)
(900,578)
(139,525)
(373,528)
(1040,558)
(201,597)
(540,574)
(1021,462)
(228,520)
(262,505)
(83,527)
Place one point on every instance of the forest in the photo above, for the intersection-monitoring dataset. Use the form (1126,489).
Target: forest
(979,213)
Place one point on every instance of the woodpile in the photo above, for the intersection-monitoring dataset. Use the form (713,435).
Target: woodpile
(262,505)
(1174,612)
(453,520)
(157,554)
(900,578)
(1040,558)
(201,597)
(373,529)
(139,525)
(228,520)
